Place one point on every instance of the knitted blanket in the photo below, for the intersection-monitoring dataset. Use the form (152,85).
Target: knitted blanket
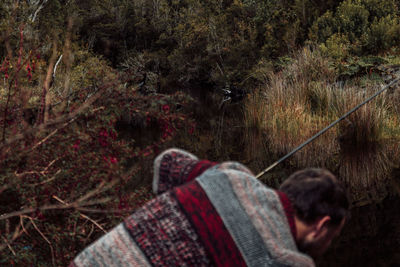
(205,214)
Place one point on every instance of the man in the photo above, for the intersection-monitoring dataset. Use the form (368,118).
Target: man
(210,214)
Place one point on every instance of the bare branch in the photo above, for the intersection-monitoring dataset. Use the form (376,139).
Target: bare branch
(33,16)
(73,205)
(37,229)
(48,180)
(94,222)
(45,238)
(60,119)
(98,190)
(8,245)
(51,134)
(55,66)
(115,211)
(43,172)
(17,234)
(83,215)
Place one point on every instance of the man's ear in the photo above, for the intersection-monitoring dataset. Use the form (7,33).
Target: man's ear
(321,225)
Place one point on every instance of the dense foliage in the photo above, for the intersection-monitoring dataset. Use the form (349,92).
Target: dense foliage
(91,90)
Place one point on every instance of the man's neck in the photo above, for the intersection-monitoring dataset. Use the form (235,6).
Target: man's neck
(302,229)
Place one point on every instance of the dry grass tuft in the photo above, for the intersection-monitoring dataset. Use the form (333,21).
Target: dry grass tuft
(303,99)
(255,124)
(364,140)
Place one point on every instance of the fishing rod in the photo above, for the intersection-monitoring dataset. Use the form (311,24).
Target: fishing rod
(326,128)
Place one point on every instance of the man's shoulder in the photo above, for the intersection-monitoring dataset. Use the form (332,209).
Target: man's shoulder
(231,173)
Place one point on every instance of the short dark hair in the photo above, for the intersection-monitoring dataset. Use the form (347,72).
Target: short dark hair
(315,193)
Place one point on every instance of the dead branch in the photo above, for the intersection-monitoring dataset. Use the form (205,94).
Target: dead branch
(17,234)
(98,190)
(8,245)
(43,172)
(33,16)
(60,119)
(44,237)
(56,65)
(37,229)
(90,233)
(72,205)
(50,135)
(21,222)
(48,180)
(114,211)
(94,222)
(82,215)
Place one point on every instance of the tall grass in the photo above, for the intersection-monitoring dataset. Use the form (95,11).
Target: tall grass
(365,161)
(304,98)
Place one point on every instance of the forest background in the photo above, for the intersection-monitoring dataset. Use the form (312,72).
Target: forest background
(91,91)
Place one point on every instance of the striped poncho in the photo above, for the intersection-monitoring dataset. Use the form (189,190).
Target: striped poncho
(205,214)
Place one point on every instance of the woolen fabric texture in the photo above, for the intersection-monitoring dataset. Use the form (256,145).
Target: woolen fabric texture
(205,214)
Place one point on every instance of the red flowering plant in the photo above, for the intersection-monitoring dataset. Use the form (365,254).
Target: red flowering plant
(66,180)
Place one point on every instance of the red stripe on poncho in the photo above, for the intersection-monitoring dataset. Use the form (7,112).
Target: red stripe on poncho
(209,225)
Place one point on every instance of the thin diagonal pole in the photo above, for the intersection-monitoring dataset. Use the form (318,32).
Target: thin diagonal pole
(273,165)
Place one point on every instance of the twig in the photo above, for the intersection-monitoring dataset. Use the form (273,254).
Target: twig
(48,180)
(98,190)
(44,139)
(60,119)
(37,229)
(73,205)
(51,134)
(21,222)
(36,172)
(92,193)
(56,65)
(9,246)
(90,233)
(99,210)
(51,163)
(94,222)
(37,11)
(45,238)
(17,233)
(82,215)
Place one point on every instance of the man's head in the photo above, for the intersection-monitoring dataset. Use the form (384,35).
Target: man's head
(321,208)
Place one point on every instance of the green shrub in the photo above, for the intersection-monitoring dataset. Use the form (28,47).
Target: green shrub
(370,26)
(383,34)
(337,46)
(379,9)
(323,28)
(352,19)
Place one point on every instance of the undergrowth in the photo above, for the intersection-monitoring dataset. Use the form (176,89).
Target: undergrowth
(70,169)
